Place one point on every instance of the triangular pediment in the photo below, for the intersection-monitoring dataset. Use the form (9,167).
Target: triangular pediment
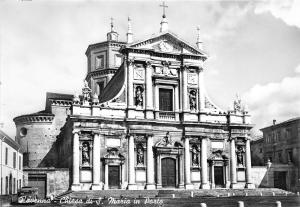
(167,43)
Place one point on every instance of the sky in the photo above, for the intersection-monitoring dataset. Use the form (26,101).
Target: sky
(253,47)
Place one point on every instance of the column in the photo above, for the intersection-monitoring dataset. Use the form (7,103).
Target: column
(187,161)
(75,185)
(158,174)
(131,171)
(149,91)
(96,163)
(106,176)
(150,164)
(201,90)
(130,84)
(181,168)
(184,89)
(204,178)
(232,163)
(227,181)
(176,103)
(156,102)
(249,183)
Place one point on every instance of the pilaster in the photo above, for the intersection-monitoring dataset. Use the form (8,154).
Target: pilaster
(96,163)
(149,92)
(131,171)
(249,183)
(233,164)
(204,177)
(187,161)
(75,185)
(150,164)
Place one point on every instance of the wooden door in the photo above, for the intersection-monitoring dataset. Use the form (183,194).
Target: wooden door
(280,180)
(39,182)
(219,177)
(113,176)
(168,168)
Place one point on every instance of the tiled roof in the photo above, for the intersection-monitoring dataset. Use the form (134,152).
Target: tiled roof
(9,140)
(281,123)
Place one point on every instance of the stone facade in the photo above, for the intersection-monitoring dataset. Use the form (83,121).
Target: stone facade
(281,149)
(144,121)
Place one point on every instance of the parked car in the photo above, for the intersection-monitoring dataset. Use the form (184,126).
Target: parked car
(27,195)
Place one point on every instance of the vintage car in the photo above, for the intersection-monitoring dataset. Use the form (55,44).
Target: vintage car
(27,195)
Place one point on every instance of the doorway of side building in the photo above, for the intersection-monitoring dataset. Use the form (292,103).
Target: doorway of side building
(219,176)
(280,180)
(168,172)
(38,181)
(114,177)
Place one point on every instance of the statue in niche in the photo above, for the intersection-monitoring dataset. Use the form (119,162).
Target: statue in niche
(193,104)
(195,156)
(85,153)
(140,155)
(139,96)
(239,154)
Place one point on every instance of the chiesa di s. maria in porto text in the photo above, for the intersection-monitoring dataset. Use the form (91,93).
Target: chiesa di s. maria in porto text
(142,121)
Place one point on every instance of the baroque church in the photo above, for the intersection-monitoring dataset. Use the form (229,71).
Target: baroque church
(142,121)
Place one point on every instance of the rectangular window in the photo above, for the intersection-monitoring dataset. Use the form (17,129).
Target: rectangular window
(165,99)
(6,185)
(14,186)
(20,162)
(100,62)
(20,183)
(100,87)
(1,185)
(290,156)
(6,155)
(118,60)
(14,160)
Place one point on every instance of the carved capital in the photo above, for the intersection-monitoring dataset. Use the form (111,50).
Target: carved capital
(76,131)
(148,64)
(130,61)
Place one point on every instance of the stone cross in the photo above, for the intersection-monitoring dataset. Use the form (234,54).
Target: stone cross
(164,6)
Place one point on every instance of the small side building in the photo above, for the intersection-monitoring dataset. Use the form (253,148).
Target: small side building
(11,159)
(281,146)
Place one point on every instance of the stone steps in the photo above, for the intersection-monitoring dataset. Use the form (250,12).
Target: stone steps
(168,193)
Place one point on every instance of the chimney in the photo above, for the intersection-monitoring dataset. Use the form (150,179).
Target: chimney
(274,121)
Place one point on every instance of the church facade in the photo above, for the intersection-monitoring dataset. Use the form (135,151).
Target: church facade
(143,121)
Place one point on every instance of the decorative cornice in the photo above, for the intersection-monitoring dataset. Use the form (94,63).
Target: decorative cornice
(101,72)
(61,102)
(34,118)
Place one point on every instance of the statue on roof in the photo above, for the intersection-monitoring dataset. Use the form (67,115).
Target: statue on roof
(86,92)
(237,104)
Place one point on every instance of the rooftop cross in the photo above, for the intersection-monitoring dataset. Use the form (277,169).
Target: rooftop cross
(111,24)
(164,6)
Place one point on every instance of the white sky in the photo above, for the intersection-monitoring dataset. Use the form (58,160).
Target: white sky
(254,49)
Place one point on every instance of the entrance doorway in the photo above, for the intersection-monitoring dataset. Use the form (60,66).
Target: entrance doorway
(113,176)
(39,182)
(168,172)
(280,180)
(219,177)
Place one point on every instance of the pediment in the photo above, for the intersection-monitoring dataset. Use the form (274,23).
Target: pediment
(167,43)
